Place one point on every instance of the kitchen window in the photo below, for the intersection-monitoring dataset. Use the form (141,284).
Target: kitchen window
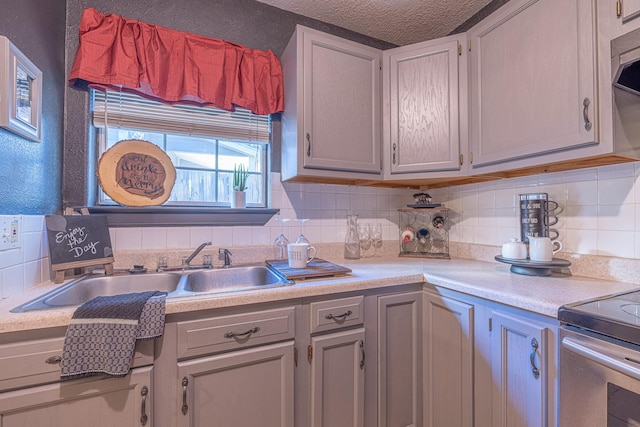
(203,143)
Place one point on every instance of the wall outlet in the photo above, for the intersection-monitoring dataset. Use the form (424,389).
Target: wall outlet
(10,232)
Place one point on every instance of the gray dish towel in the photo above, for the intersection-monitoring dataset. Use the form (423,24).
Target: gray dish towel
(103,331)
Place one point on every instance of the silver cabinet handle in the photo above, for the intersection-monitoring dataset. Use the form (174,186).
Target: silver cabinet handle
(185,407)
(362,355)
(339,317)
(585,114)
(308,145)
(393,158)
(53,360)
(532,358)
(143,417)
(242,334)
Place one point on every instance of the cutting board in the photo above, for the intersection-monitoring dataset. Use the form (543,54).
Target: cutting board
(316,268)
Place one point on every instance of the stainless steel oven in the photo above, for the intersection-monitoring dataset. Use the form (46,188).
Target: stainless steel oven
(600,362)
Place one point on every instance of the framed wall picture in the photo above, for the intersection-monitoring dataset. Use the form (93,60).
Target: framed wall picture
(20,93)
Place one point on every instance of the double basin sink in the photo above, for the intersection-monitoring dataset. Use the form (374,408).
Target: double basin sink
(175,283)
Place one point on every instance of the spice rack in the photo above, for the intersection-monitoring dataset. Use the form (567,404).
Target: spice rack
(424,232)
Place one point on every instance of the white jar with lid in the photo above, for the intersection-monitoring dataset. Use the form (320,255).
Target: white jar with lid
(514,249)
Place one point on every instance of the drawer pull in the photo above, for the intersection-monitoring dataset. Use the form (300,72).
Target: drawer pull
(339,317)
(53,360)
(143,409)
(253,330)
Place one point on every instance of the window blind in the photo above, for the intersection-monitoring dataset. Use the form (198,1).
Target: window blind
(129,111)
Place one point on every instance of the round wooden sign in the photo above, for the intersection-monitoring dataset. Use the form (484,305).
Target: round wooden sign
(136,173)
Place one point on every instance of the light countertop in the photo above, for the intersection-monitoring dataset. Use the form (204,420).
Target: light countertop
(489,280)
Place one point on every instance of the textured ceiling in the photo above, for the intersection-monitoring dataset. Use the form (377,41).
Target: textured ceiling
(400,22)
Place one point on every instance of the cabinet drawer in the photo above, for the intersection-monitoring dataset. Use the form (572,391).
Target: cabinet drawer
(37,361)
(336,314)
(205,336)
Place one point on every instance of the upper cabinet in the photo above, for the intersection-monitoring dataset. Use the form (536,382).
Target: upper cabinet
(424,109)
(527,90)
(533,83)
(626,16)
(331,124)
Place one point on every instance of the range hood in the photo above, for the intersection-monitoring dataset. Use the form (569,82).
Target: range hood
(625,61)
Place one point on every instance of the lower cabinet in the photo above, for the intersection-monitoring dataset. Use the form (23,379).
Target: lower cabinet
(399,349)
(337,379)
(252,387)
(487,364)
(330,374)
(93,401)
(448,362)
(523,370)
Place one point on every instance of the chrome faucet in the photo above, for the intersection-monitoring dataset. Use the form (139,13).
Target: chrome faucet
(187,260)
(224,254)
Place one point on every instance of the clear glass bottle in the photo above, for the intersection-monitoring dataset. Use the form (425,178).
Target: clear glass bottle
(352,240)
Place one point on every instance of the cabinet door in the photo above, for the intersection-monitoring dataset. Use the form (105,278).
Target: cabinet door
(519,367)
(341,93)
(252,387)
(400,360)
(337,379)
(625,16)
(448,362)
(421,91)
(532,81)
(88,402)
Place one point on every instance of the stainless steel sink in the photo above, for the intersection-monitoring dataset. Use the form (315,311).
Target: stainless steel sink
(176,284)
(230,279)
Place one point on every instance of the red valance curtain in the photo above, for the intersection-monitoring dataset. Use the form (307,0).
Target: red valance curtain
(173,66)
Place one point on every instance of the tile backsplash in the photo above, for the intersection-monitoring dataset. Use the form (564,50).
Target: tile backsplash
(600,215)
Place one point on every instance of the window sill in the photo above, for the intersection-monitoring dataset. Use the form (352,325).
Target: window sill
(169,216)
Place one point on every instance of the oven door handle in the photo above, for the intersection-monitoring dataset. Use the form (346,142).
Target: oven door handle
(612,360)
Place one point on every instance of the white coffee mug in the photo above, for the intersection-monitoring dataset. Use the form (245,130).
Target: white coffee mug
(299,254)
(542,248)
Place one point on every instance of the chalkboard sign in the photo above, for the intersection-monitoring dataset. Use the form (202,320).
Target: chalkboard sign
(78,241)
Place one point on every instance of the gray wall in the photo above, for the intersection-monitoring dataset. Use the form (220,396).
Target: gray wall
(245,22)
(30,172)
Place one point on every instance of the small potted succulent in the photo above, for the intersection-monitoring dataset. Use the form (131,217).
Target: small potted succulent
(240,176)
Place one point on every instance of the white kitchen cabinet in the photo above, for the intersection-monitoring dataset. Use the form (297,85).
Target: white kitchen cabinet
(231,367)
(448,361)
(625,14)
(524,361)
(251,387)
(331,123)
(399,350)
(33,395)
(337,379)
(424,108)
(89,402)
(330,373)
(533,84)
(487,364)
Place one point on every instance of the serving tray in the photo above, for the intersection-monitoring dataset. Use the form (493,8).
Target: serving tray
(316,268)
(533,268)
(424,205)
